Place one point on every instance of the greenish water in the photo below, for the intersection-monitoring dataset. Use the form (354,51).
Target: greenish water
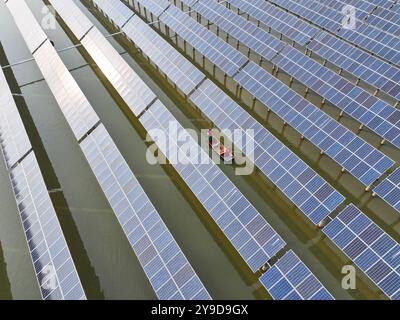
(106,264)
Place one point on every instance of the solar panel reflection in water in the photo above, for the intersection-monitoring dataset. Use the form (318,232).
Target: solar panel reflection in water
(291,279)
(369,247)
(54,268)
(165,265)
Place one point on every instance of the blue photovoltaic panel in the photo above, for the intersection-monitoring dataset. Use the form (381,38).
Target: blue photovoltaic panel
(359,158)
(164,263)
(361,64)
(180,71)
(115,10)
(205,42)
(238,27)
(302,185)
(369,247)
(291,279)
(389,189)
(14,140)
(280,20)
(54,268)
(156,7)
(254,239)
(126,82)
(386,20)
(380,117)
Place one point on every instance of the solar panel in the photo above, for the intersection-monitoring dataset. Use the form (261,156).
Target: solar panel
(380,117)
(125,81)
(359,158)
(156,7)
(303,186)
(226,57)
(363,65)
(180,71)
(291,279)
(369,247)
(273,17)
(238,27)
(14,140)
(33,34)
(254,239)
(389,189)
(54,268)
(164,263)
(116,10)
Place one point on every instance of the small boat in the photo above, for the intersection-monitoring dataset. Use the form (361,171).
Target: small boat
(225,153)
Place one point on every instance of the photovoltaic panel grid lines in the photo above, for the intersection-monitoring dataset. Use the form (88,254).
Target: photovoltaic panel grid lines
(52,261)
(14,140)
(389,189)
(369,247)
(254,239)
(169,272)
(291,279)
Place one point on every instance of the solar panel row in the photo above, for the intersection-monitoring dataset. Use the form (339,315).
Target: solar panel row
(273,17)
(291,279)
(385,19)
(54,268)
(117,181)
(255,240)
(359,158)
(165,265)
(369,247)
(295,179)
(14,140)
(389,189)
(380,117)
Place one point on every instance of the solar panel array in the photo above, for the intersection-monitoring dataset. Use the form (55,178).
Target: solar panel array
(55,271)
(377,41)
(273,17)
(291,279)
(126,197)
(369,247)
(365,66)
(116,10)
(14,140)
(359,158)
(302,185)
(167,268)
(254,239)
(380,117)
(54,268)
(312,195)
(238,27)
(389,189)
